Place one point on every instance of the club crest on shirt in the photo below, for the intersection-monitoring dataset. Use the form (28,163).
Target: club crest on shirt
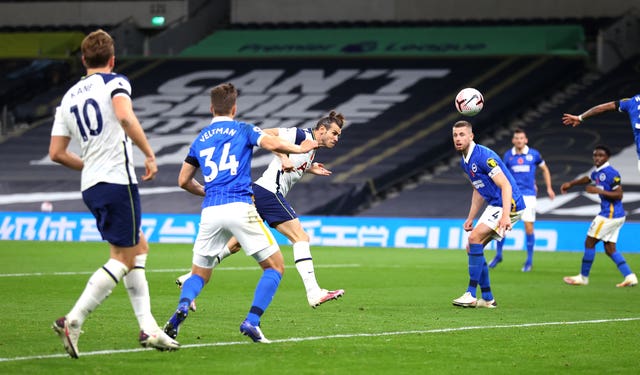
(602,177)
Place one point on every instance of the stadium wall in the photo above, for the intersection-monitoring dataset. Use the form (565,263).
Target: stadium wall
(258,11)
(423,233)
(61,13)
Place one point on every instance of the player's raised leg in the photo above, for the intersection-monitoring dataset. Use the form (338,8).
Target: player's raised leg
(316,296)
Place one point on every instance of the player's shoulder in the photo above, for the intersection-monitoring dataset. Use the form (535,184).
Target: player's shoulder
(532,150)
(248,126)
(626,104)
(109,77)
(485,151)
(611,171)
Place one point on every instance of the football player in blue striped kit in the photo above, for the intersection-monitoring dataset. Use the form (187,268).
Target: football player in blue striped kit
(492,183)
(270,191)
(223,151)
(605,181)
(522,162)
(631,106)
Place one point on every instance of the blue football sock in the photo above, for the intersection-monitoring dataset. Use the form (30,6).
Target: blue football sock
(621,263)
(265,290)
(499,246)
(190,290)
(587,261)
(485,284)
(476,259)
(531,239)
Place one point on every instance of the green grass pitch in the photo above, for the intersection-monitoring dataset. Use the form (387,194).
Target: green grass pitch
(396,316)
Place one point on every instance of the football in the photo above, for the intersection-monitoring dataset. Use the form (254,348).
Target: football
(469,102)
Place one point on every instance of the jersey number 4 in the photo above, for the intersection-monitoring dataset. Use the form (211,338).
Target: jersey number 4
(211,168)
(88,104)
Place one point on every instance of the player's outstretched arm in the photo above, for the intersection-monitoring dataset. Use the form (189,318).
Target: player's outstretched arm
(575,120)
(278,144)
(578,181)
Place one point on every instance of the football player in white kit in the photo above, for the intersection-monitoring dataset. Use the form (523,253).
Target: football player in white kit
(271,188)
(98,113)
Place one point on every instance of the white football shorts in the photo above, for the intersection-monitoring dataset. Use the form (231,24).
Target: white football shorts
(605,229)
(529,213)
(491,216)
(219,223)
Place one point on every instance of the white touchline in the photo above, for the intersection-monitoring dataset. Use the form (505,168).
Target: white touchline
(221,268)
(55,196)
(329,337)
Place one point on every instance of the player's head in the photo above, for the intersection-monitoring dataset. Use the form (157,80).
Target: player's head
(223,100)
(328,129)
(519,139)
(462,135)
(601,154)
(98,50)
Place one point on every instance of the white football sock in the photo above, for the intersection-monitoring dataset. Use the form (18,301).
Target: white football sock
(223,254)
(304,265)
(98,288)
(138,289)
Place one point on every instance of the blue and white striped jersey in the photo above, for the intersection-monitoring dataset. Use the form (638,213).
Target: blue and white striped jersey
(632,107)
(223,150)
(480,165)
(523,168)
(608,179)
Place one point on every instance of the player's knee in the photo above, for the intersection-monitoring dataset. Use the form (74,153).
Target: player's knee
(270,257)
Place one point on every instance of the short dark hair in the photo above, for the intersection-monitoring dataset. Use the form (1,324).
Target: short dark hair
(97,48)
(463,124)
(603,148)
(519,130)
(223,98)
(326,121)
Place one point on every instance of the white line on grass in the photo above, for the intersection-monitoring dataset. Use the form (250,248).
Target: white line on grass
(222,268)
(329,337)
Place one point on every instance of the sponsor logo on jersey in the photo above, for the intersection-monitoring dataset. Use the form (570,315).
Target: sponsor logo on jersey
(478,184)
(521,168)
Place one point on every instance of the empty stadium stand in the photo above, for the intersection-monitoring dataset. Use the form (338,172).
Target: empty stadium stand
(395,156)
(567,151)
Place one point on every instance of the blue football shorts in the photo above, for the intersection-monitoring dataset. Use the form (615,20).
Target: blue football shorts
(117,212)
(272,207)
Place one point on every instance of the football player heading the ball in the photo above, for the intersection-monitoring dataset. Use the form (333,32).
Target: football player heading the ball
(227,207)
(493,183)
(629,105)
(270,193)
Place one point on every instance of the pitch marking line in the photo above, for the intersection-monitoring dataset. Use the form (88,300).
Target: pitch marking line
(329,337)
(164,270)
